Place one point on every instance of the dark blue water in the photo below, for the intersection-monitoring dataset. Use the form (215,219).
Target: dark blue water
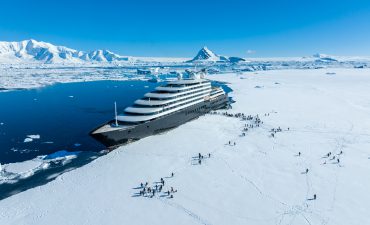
(62,114)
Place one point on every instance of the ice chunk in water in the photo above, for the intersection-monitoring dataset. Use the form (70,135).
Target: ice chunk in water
(34,136)
(61,154)
(28,140)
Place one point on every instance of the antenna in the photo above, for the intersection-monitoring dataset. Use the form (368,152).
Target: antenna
(115,113)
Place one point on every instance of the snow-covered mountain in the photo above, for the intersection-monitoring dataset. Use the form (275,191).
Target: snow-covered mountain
(206,55)
(324,58)
(36,51)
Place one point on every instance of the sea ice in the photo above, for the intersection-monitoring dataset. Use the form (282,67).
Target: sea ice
(61,154)
(34,136)
(28,140)
(23,167)
(258,180)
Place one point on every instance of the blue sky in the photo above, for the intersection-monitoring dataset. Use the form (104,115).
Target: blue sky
(181,27)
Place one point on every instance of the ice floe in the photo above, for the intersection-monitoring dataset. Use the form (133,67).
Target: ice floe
(28,140)
(14,172)
(34,136)
(31,137)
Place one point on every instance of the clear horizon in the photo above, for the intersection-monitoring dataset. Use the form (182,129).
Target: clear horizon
(167,29)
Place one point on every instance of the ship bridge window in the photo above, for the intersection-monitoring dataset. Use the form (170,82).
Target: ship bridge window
(151,99)
(130,114)
(159,92)
(142,106)
(175,85)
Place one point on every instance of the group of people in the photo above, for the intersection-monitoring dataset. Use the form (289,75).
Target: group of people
(333,157)
(200,157)
(276,130)
(225,114)
(150,192)
(236,115)
(256,122)
(256,119)
(306,172)
(329,155)
(232,143)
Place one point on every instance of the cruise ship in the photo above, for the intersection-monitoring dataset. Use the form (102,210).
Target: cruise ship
(168,106)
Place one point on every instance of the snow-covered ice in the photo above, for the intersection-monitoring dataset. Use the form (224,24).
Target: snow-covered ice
(260,180)
(31,137)
(27,140)
(13,172)
(34,136)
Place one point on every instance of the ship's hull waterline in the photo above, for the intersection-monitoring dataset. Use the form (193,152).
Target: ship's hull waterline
(116,137)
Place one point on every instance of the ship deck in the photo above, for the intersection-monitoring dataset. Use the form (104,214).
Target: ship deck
(108,127)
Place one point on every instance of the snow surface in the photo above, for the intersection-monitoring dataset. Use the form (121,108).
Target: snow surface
(260,180)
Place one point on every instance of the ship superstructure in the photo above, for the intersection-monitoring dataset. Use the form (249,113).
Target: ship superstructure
(166,107)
